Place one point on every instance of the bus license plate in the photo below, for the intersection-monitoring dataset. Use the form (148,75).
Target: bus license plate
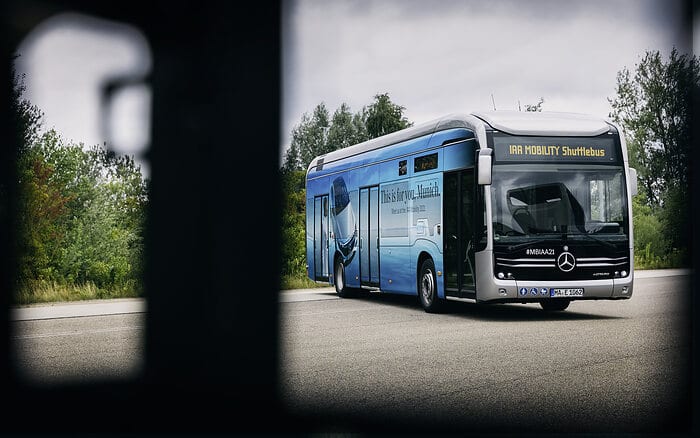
(571,292)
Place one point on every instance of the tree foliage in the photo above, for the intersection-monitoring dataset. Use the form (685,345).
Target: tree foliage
(81,214)
(309,138)
(385,117)
(27,118)
(81,210)
(346,129)
(293,247)
(653,107)
(319,133)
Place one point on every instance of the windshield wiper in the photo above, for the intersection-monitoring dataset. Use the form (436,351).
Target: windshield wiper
(604,242)
(525,245)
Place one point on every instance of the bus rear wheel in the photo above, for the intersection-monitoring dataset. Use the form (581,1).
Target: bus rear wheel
(427,288)
(555,305)
(341,288)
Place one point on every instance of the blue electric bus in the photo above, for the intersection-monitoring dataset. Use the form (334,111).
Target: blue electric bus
(491,207)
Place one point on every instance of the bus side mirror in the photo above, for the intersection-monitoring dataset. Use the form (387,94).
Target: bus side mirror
(633,181)
(484,167)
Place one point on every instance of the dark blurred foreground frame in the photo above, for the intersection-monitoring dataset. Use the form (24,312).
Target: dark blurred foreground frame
(211,361)
(211,337)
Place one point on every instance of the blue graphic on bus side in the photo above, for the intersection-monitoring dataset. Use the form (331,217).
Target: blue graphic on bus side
(523,291)
(344,223)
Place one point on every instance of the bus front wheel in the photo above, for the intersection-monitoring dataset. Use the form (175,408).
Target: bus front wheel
(427,288)
(554,305)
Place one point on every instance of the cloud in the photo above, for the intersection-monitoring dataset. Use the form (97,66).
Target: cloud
(450,56)
(66,60)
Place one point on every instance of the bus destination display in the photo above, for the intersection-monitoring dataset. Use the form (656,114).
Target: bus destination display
(563,149)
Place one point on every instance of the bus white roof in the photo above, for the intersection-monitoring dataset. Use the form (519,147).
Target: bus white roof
(426,128)
(545,123)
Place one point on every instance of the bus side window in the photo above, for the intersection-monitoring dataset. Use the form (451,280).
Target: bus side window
(403,167)
(426,162)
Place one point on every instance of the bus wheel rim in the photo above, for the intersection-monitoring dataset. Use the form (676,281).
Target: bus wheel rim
(427,286)
(339,276)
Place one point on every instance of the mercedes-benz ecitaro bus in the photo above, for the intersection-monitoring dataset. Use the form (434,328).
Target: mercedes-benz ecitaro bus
(490,207)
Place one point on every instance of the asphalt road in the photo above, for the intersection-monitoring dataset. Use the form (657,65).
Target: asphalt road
(78,342)
(381,363)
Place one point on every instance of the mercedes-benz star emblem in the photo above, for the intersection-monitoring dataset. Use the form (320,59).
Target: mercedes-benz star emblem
(566,261)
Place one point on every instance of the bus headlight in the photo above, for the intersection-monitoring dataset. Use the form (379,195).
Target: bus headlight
(501,275)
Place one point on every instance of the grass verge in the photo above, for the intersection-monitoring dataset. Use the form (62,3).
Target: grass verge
(299,282)
(39,291)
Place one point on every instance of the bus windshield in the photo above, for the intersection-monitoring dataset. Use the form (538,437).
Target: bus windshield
(554,201)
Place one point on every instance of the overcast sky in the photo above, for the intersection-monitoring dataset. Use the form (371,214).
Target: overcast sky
(439,57)
(65,61)
(432,57)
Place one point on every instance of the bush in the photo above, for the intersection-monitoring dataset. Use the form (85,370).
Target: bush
(293,244)
(653,238)
(81,220)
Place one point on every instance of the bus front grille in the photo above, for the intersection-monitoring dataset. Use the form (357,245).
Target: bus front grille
(586,268)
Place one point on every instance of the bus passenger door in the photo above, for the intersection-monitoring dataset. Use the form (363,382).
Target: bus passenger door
(467,196)
(321,237)
(458,219)
(369,237)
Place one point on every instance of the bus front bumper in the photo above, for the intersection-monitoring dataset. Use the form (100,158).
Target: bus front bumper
(492,289)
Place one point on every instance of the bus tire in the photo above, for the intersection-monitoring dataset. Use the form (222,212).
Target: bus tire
(427,288)
(341,288)
(555,305)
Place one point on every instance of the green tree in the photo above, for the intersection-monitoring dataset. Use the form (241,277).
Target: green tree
(82,216)
(319,134)
(26,117)
(104,239)
(653,106)
(292,159)
(384,117)
(308,139)
(37,193)
(43,205)
(649,242)
(360,125)
(343,131)
(293,242)
(35,190)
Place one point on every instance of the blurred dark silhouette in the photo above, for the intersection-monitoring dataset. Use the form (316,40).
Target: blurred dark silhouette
(211,360)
